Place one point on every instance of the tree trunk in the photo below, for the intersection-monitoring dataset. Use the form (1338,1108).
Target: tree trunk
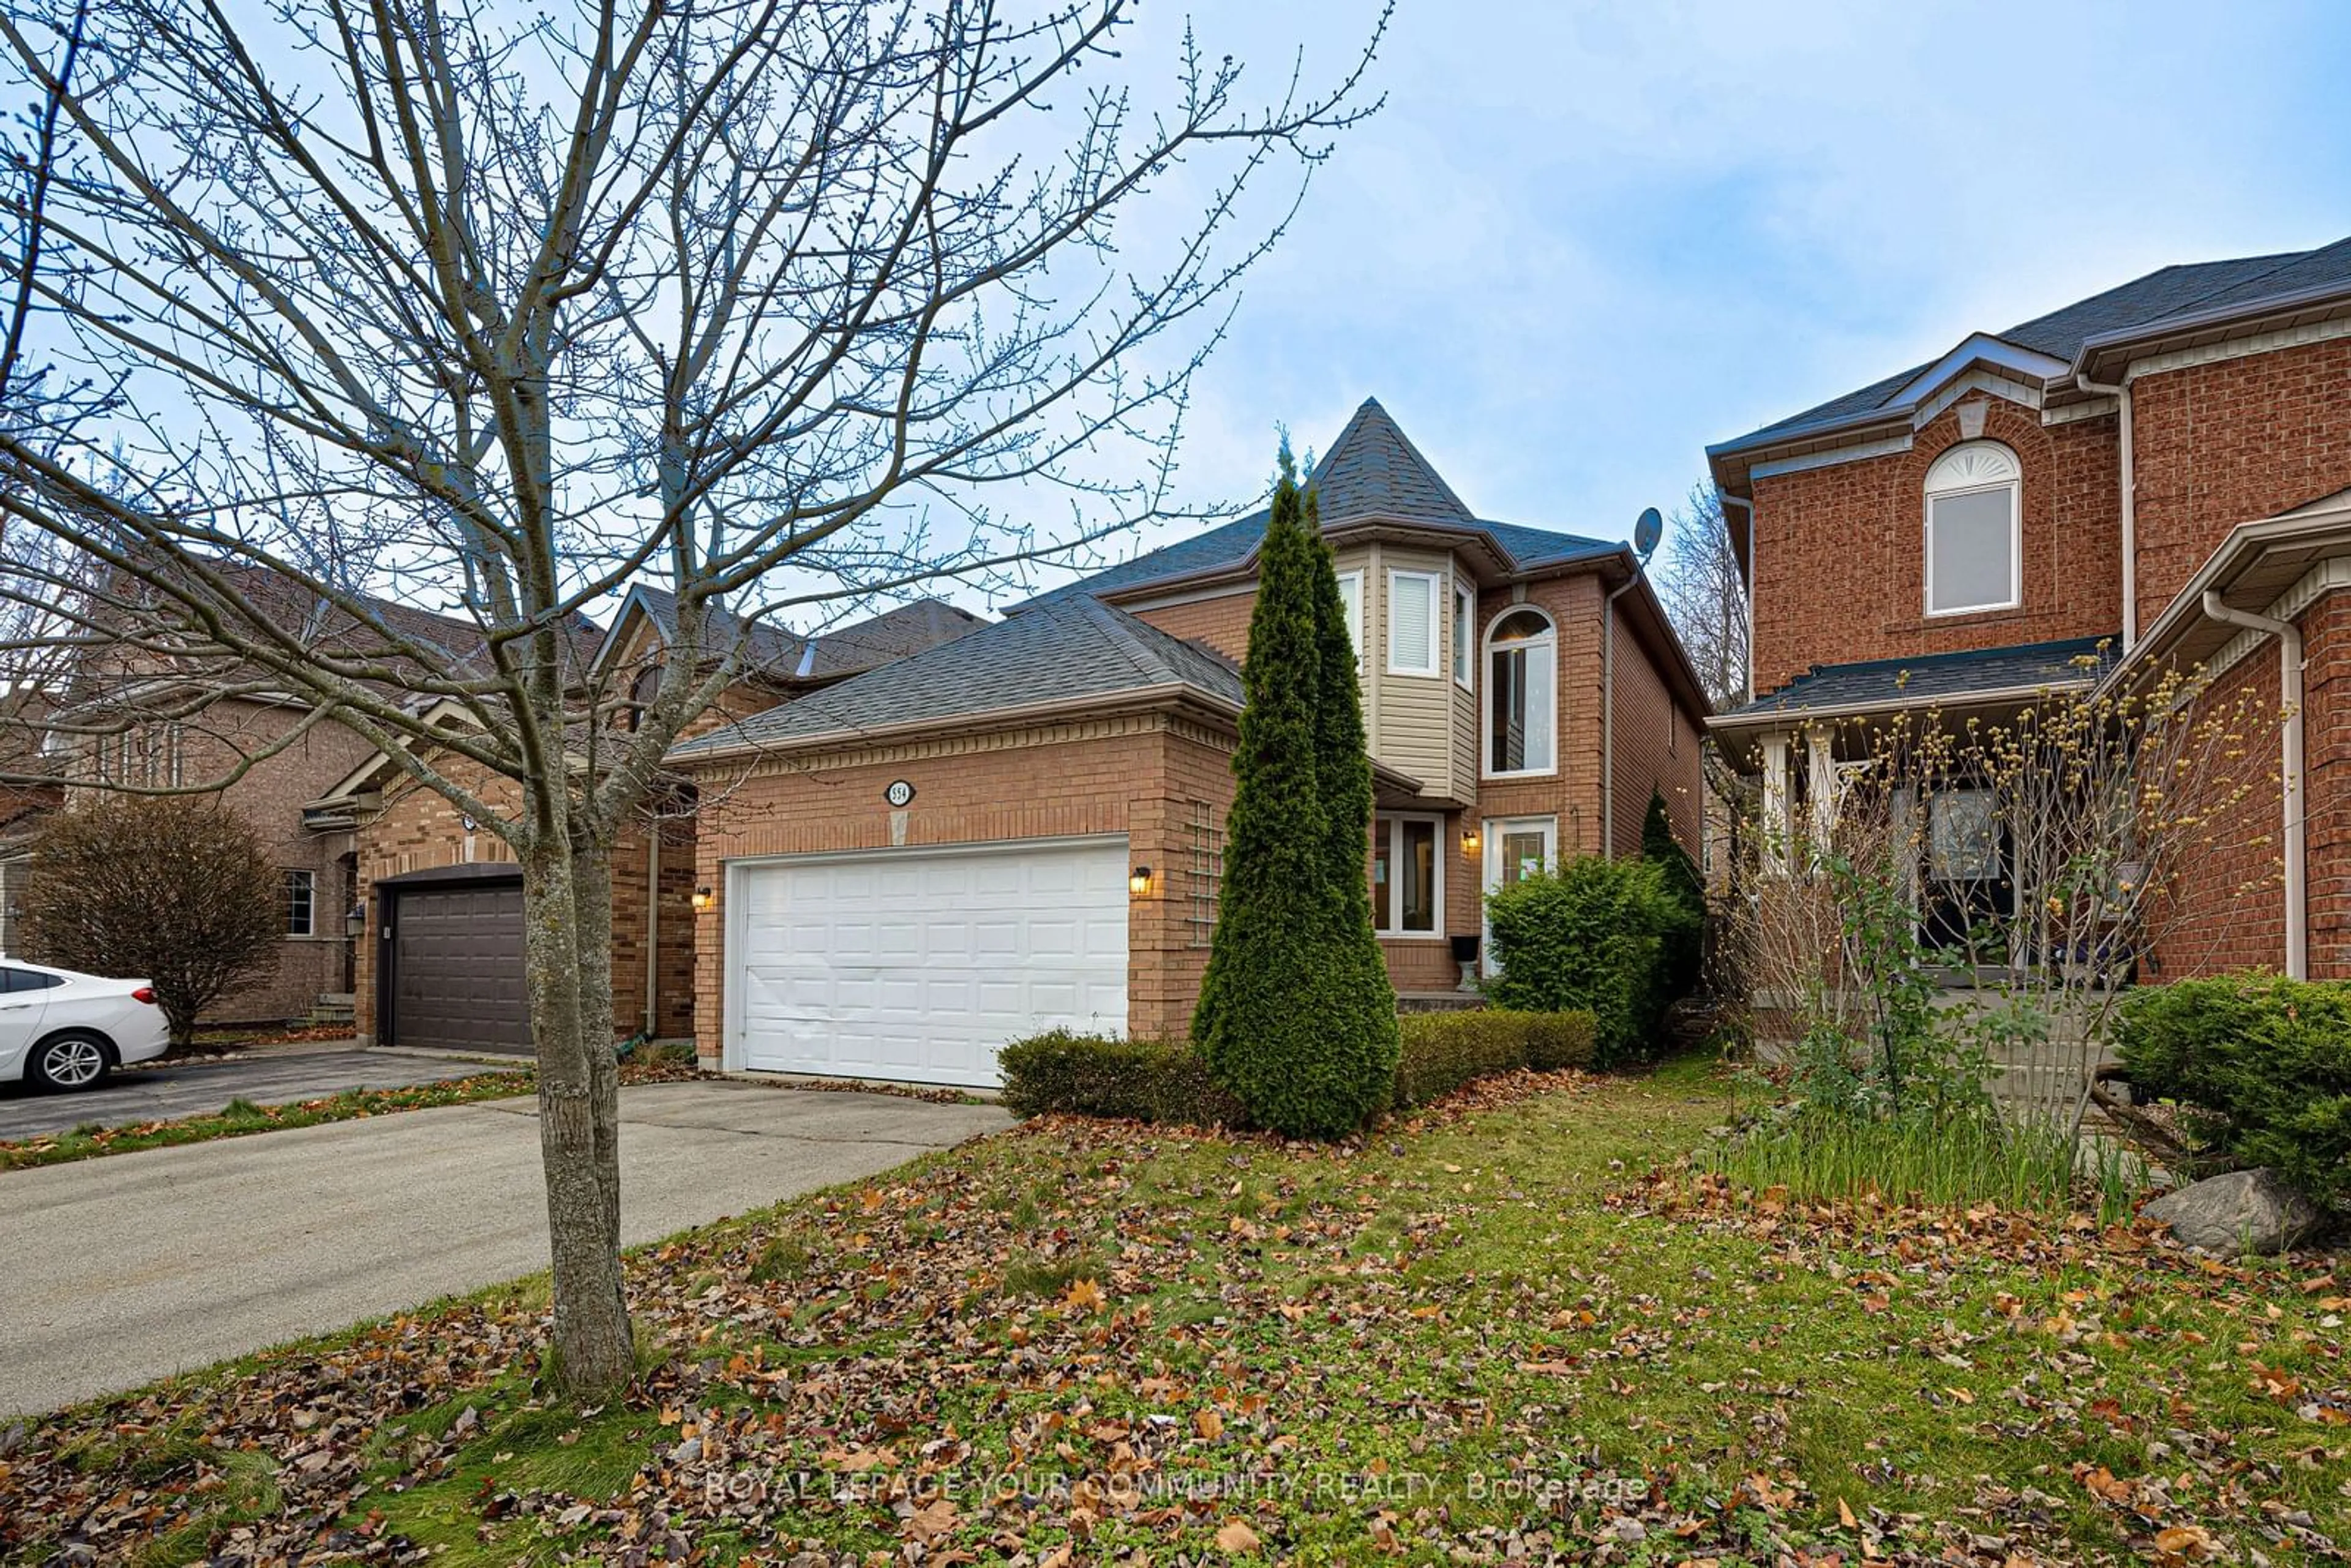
(578,1121)
(591,892)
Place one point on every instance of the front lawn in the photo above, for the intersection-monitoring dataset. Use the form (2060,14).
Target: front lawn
(1490,1333)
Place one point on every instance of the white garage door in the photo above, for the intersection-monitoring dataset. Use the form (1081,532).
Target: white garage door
(916,965)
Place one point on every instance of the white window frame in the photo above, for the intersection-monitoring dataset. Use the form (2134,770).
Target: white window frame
(1486,768)
(1465,636)
(1490,842)
(309,899)
(1351,594)
(2012,483)
(1392,822)
(1433,584)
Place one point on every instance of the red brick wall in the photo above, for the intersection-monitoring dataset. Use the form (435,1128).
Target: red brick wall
(1656,749)
(2326,750)
(1221,623)
(2229,443)
(1840,551)
(2227,902)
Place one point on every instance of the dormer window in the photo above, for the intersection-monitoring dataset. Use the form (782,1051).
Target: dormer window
(1974,556)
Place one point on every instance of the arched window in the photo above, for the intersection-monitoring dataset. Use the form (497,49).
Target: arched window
(1974,545)
(1521,694)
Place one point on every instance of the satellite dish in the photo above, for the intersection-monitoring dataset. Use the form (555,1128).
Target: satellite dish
(1647,530)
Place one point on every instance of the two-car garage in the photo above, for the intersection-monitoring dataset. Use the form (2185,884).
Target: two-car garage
(915,964)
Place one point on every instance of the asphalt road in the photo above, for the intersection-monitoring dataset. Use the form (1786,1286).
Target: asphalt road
(200,1088)
(129,1268)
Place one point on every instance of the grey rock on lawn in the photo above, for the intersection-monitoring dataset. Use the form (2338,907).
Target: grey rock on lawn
(2245,1212)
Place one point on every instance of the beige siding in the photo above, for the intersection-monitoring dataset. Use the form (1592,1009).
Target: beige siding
(1414,727)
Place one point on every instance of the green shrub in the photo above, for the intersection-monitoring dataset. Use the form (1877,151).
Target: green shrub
(1102,1075)
(1589,936)
(2266,1061)
(1685,945)
(1442,1050)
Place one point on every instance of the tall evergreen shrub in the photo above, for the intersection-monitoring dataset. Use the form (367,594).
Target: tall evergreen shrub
(1685,945)
(1292,1019)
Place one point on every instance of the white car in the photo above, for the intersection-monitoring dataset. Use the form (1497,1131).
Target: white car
(59,1029)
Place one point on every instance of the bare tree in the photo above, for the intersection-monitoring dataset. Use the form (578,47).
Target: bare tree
(1705,595)
(500,309)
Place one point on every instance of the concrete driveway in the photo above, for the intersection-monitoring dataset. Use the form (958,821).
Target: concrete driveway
(127,1268)
(200,1088)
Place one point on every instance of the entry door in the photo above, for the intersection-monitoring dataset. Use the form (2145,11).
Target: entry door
(916,965)
(1515,847)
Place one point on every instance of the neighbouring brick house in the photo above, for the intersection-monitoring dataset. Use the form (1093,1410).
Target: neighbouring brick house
(1025,827)
(147,720)
(2155,478)
(442,964)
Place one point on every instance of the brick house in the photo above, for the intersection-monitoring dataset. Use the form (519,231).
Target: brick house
(149,721)
(443,899)
(2151,479)
(1025,827)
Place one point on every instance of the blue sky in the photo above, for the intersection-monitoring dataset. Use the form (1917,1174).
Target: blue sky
(1584,241)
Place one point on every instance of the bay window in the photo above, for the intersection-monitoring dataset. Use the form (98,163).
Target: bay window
(1412,622)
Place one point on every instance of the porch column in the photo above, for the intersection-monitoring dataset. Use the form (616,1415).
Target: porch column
(1775,803)
(1821,786)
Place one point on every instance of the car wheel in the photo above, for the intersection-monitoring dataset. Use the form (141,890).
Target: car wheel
(75,1059)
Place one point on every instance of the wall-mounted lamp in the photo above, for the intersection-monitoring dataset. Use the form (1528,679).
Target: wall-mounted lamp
(1138,882)
(355,920)
(701,898)
(1470,841)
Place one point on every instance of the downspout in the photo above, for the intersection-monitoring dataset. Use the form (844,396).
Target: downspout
(652,924)
(1608,712)
(2120,391)
(1747,506)
(2290,665)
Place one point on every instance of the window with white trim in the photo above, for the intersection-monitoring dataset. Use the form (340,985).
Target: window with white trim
(1412,622)
(1521,695)
(1407,875)
(1974,545)
(301,889)
(1350,595)
(1464,622)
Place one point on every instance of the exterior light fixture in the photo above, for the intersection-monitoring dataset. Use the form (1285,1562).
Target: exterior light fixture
(355,920)
(1138,881)
(701,898)
(1470,841)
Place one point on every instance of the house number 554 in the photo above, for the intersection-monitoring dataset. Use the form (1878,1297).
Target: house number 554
(899,792)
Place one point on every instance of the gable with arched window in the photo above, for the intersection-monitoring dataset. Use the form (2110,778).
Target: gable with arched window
(1521,694)
(1974,539)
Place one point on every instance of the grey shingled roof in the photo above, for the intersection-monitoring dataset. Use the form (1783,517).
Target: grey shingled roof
(860,645)
(1074,647)
(1937,677)
(1373,470)
(2143,302)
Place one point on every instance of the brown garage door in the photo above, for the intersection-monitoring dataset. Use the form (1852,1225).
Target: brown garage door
(456,968)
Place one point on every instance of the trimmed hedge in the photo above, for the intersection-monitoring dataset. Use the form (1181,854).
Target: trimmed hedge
(2267,1062)
(1442,1050)
(1166,1082)
(1102,1075)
